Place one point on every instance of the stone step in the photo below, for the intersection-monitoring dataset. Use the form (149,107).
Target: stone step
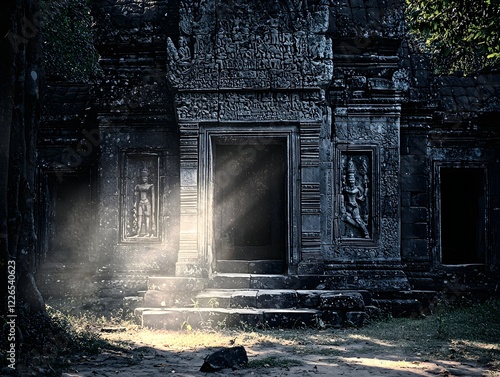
(275,298)
(259,298)
(407,303)
(266,300)
(262,281)
(249,281)
(176,284)
(249,298)
(130,303)
(181,318)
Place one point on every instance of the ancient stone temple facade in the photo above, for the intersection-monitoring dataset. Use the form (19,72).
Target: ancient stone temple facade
(254,85)
(301,140)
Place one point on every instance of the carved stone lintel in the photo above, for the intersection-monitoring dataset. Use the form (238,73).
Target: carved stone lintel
(259,106)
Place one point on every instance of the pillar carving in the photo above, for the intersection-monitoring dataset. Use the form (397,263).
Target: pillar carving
(188,257)
(310,204)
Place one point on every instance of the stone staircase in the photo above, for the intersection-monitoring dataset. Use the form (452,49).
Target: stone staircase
(251,301)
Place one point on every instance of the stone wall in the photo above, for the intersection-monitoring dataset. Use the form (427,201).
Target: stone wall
(451,128)
(366,122)
(139,134)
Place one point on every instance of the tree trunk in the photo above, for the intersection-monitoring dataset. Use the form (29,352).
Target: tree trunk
(20,73)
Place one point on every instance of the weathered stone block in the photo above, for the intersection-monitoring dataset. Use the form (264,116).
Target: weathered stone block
(296,318)
(332,318)
(380,84)
(401,307)
(309,299)
(310,268)
(419,199)
(372,312)
(415,249)
(264,267)
(417,145)
(230,281)
(277,299)
(413,164)
(342,301)
(176,319)
(414,215)
(176,284)
(214,298)
(245,318)
(414,182)
(244,299)
(405,199)
(273,281)
(418,230)
(234,357)
(157,299)
(356,319)
(132,302)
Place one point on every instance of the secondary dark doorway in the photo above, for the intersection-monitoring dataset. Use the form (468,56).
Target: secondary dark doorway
(463,219)
(250,218)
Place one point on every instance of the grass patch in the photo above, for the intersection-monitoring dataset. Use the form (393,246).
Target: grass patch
(467,334)
(51,340)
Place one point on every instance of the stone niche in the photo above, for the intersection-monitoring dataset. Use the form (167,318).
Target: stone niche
(365,214)
(357,195)
(364,222)
(140,206)
(137,226)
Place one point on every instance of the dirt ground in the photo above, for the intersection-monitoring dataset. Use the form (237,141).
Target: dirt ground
(160,353)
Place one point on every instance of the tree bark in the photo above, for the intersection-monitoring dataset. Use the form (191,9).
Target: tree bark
(20,77)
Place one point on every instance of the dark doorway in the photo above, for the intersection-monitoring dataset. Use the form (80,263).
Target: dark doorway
(462,215)
(249,181)
(65,224)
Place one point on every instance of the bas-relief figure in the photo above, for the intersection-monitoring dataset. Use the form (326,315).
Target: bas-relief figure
(354,206)
(143,211)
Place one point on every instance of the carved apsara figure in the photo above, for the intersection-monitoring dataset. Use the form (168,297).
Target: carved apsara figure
(183,50)
(144,209)
(354,196)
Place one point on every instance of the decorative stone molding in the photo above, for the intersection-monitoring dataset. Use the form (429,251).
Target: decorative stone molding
(188,257)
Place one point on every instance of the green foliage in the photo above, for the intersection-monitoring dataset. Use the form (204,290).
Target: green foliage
(68,49)
(460,35)
(75,338)
(478,323)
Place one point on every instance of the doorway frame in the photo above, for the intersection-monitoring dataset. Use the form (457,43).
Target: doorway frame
(438,166)
(209,134)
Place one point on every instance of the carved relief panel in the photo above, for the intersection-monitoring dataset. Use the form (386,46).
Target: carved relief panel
(357,218)
(260,106)
(251,44)
(140,194)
